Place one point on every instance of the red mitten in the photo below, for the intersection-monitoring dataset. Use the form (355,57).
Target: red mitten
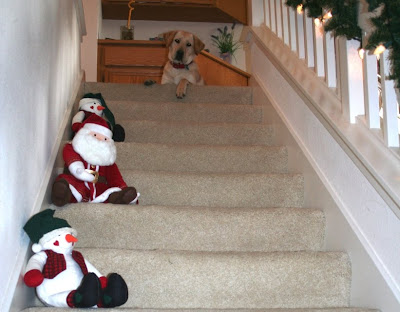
(103,282)
(33,278)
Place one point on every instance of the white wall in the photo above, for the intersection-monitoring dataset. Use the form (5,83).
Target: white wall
(39,68)
(143,30)
(358,219)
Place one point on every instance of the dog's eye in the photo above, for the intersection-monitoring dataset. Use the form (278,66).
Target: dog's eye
(188,44)
(177,40)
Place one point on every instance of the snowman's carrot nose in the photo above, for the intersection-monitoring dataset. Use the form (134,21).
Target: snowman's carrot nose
(70,239)
(100,108)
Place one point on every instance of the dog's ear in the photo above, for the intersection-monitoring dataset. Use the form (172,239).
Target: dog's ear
(169,36)
(198,45)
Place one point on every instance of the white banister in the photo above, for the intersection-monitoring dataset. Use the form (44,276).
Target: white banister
(351,77)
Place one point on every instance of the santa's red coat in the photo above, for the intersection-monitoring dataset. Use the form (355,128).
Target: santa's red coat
(109,177)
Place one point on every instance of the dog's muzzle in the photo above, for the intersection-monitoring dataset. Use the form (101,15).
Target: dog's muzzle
(179,55)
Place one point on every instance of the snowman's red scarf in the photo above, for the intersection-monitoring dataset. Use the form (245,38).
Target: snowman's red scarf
(55,263)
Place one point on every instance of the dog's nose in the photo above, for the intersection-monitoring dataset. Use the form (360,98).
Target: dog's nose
(179,55)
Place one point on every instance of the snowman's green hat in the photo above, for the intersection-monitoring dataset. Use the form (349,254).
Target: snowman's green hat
(43,227)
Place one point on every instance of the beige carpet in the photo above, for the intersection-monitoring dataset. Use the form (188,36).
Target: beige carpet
(221,223)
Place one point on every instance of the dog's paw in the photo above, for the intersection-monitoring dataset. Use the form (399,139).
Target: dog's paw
(180,95)
(149,82)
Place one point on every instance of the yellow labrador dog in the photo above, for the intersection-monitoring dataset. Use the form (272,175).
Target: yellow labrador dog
(181,68)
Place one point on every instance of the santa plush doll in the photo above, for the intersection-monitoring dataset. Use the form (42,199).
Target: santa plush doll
(95,104)
(61,275)
(93,175)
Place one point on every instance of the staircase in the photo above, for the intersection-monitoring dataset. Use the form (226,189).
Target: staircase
(221,222)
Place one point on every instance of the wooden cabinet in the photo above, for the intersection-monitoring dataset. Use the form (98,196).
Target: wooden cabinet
(215,11)
(135,61)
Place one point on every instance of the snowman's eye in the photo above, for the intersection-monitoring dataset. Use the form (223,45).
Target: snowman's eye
(56,243)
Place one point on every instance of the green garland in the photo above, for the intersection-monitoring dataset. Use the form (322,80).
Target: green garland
(344,22)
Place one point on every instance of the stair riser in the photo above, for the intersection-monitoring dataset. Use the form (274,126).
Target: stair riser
(252,190)
(167,93)
(195,228)
(219,281)
(185,112)
(155,157)
(192,133)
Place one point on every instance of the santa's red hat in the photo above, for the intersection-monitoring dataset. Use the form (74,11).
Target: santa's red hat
(97,124)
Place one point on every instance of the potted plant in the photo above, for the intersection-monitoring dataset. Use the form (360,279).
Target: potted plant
(225,43)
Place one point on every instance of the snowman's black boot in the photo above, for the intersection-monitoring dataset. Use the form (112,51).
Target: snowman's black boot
(116,292)
(88,293)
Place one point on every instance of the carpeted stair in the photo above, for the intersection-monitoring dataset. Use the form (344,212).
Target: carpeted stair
(221,223)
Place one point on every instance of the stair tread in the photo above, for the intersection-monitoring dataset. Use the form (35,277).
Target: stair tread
(166,93)
(201,158)
(217,189)
(236,113)
(187,279)
(181,132)
(196,228)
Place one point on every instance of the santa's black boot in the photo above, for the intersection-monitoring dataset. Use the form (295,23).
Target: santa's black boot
(123,197)
(116,292)
(88,293)
(60,193)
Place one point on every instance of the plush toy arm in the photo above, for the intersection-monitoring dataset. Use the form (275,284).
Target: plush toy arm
(78,171)
(79,116)
(33,278)
(33,274)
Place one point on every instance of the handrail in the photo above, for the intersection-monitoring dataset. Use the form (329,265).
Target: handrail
(350,110)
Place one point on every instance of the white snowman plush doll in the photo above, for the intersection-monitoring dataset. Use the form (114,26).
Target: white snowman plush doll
(62,277)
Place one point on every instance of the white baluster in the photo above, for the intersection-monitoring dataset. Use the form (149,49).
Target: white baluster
(309,39)
(285,22)
(301,49)
(371,94)
(389,102)
(351,79)
(330,60)
(292,29)
(319,62)
(278,16)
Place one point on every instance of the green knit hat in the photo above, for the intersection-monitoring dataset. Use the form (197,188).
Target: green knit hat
(43,227)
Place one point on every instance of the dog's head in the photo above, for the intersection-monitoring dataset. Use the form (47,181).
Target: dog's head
(183,46)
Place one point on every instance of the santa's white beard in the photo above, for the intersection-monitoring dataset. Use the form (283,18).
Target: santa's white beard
(93,151)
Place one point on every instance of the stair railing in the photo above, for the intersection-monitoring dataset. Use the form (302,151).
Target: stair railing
(354,78)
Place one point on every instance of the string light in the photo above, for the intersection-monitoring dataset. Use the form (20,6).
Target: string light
(361,53)
(317,22)
(327,16)
(379,50)
(300,9)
